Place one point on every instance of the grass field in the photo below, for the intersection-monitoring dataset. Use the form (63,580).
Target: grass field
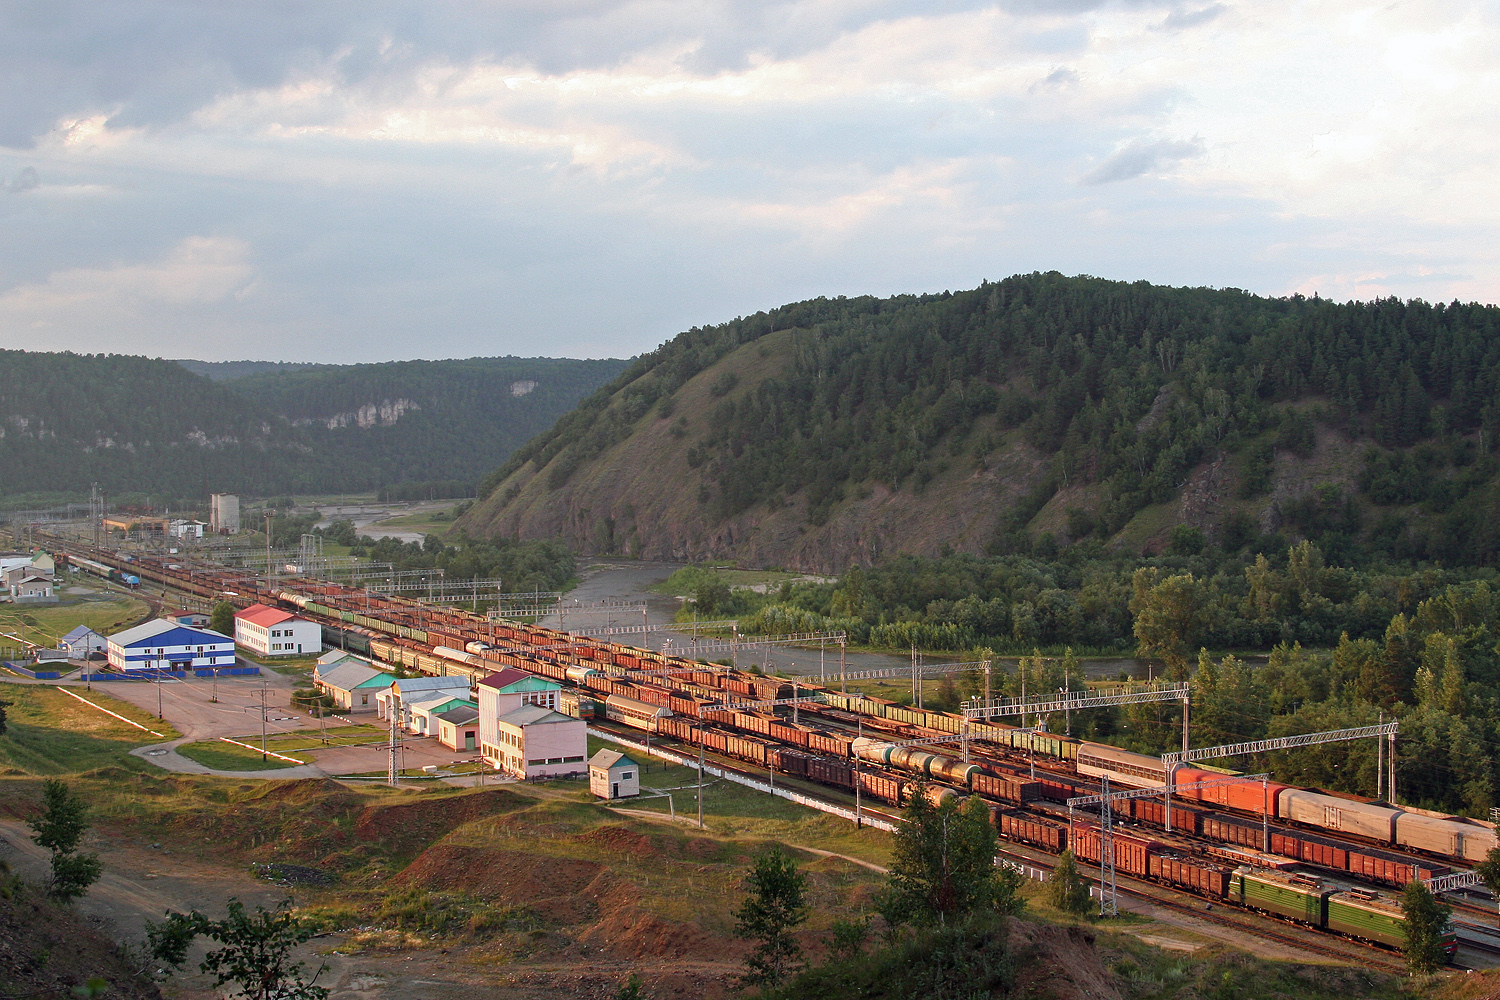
(48,732)
(44,623)
(431,520)
(223,756)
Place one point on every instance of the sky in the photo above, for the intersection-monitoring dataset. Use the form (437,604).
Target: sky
(366,181)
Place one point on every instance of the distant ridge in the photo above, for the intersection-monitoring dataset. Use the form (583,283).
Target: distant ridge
(221,371)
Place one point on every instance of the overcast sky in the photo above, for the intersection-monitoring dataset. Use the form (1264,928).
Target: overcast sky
(365,181)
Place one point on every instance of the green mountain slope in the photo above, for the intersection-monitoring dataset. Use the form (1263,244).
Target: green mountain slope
(1030,412)
(134,424)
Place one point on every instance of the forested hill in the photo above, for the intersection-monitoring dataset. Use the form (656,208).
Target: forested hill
(1028,414)
(138,425)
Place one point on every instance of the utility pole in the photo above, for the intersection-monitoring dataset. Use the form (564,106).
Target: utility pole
(858,816)
(270,513)
(393,775)
(700,784)
(1379,762)
(263,721)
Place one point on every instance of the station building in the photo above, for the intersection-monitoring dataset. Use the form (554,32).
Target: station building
(522,733)
(169,645)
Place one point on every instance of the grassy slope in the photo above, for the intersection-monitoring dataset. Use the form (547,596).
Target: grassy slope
(50,733)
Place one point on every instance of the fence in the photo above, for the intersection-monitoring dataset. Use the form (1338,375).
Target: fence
(36,675)
(759,786)
(151,674)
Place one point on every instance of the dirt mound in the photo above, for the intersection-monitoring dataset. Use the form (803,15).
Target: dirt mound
(620,840)
(303,791)
(630,932)
(404,827)
(47,950)
(564,891)
(1060,963)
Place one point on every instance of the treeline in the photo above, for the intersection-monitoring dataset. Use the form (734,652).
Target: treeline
(1127,386)
(152,427)
(521,566)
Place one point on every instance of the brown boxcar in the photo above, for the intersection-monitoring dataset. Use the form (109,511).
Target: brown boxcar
(831,772)
(1033,830)
(1132,853)
(1203,877)
(1153,811)
(825,742)
(1229,830)
(1005,788)
(881,786)
(1056,791)
(715,739)
(788,733)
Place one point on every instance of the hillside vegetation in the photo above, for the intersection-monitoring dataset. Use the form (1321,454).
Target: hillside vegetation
(1039,410)
(153,427)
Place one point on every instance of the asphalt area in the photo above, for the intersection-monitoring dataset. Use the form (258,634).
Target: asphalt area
(190,706)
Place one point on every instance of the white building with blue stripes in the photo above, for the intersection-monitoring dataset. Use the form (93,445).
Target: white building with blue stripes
(168,645)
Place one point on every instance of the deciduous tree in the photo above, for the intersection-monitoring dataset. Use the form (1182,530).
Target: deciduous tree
(775,905)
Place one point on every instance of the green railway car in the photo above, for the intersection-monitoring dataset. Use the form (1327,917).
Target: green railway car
(1298,897)
(1374,916)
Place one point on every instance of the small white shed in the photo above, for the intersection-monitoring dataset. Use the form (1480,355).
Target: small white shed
(612,775)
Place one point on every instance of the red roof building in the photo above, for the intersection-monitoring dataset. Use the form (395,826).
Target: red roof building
(272,632)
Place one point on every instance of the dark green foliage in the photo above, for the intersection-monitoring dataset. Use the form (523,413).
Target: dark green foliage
(3,723)
(775,905)
(1067,889)
(1426,919)
(523,566)
(222,619)
(630,989)
(137,424)
(966,960)
(60,830)
(846,938)
(1489,870)
(254,954)
(943,865)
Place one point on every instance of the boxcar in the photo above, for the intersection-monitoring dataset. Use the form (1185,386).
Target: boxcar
(1004,788)
(1153,811)
(882,786)
(1034,830)
(1454,838)
(831,772)
(1131,853)
(1328,812)
(1203,877)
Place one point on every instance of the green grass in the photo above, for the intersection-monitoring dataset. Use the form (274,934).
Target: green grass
(50,733)
(44,623)
(683,582)
(312,739)
(732,810)
(223,756)
(435,520)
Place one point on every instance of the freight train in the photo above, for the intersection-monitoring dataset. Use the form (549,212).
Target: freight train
(446,641)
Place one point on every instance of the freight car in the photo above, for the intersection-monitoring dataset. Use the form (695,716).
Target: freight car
(1121,767)
(634,713)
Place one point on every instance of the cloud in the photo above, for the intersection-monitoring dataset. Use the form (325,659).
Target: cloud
(1142,157)
(23,181)
(199,272)
(1181,19)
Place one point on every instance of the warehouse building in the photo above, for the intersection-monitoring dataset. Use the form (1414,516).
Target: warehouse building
(407,691)
(163,644)
(424,711)
(352,683)
(273,632)
(82,642)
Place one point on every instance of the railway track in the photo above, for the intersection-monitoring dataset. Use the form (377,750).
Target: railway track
(207,583)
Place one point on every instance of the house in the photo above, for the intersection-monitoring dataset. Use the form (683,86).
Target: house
(273,632)
(185,617)
(424,711)
(536,742)
(81,642)
(612,775)
(181,528)
(32,589)
(161,643)
(458,728)
(352,683)
(406,691)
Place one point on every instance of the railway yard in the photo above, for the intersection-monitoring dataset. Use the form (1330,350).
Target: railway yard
(1255,856)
